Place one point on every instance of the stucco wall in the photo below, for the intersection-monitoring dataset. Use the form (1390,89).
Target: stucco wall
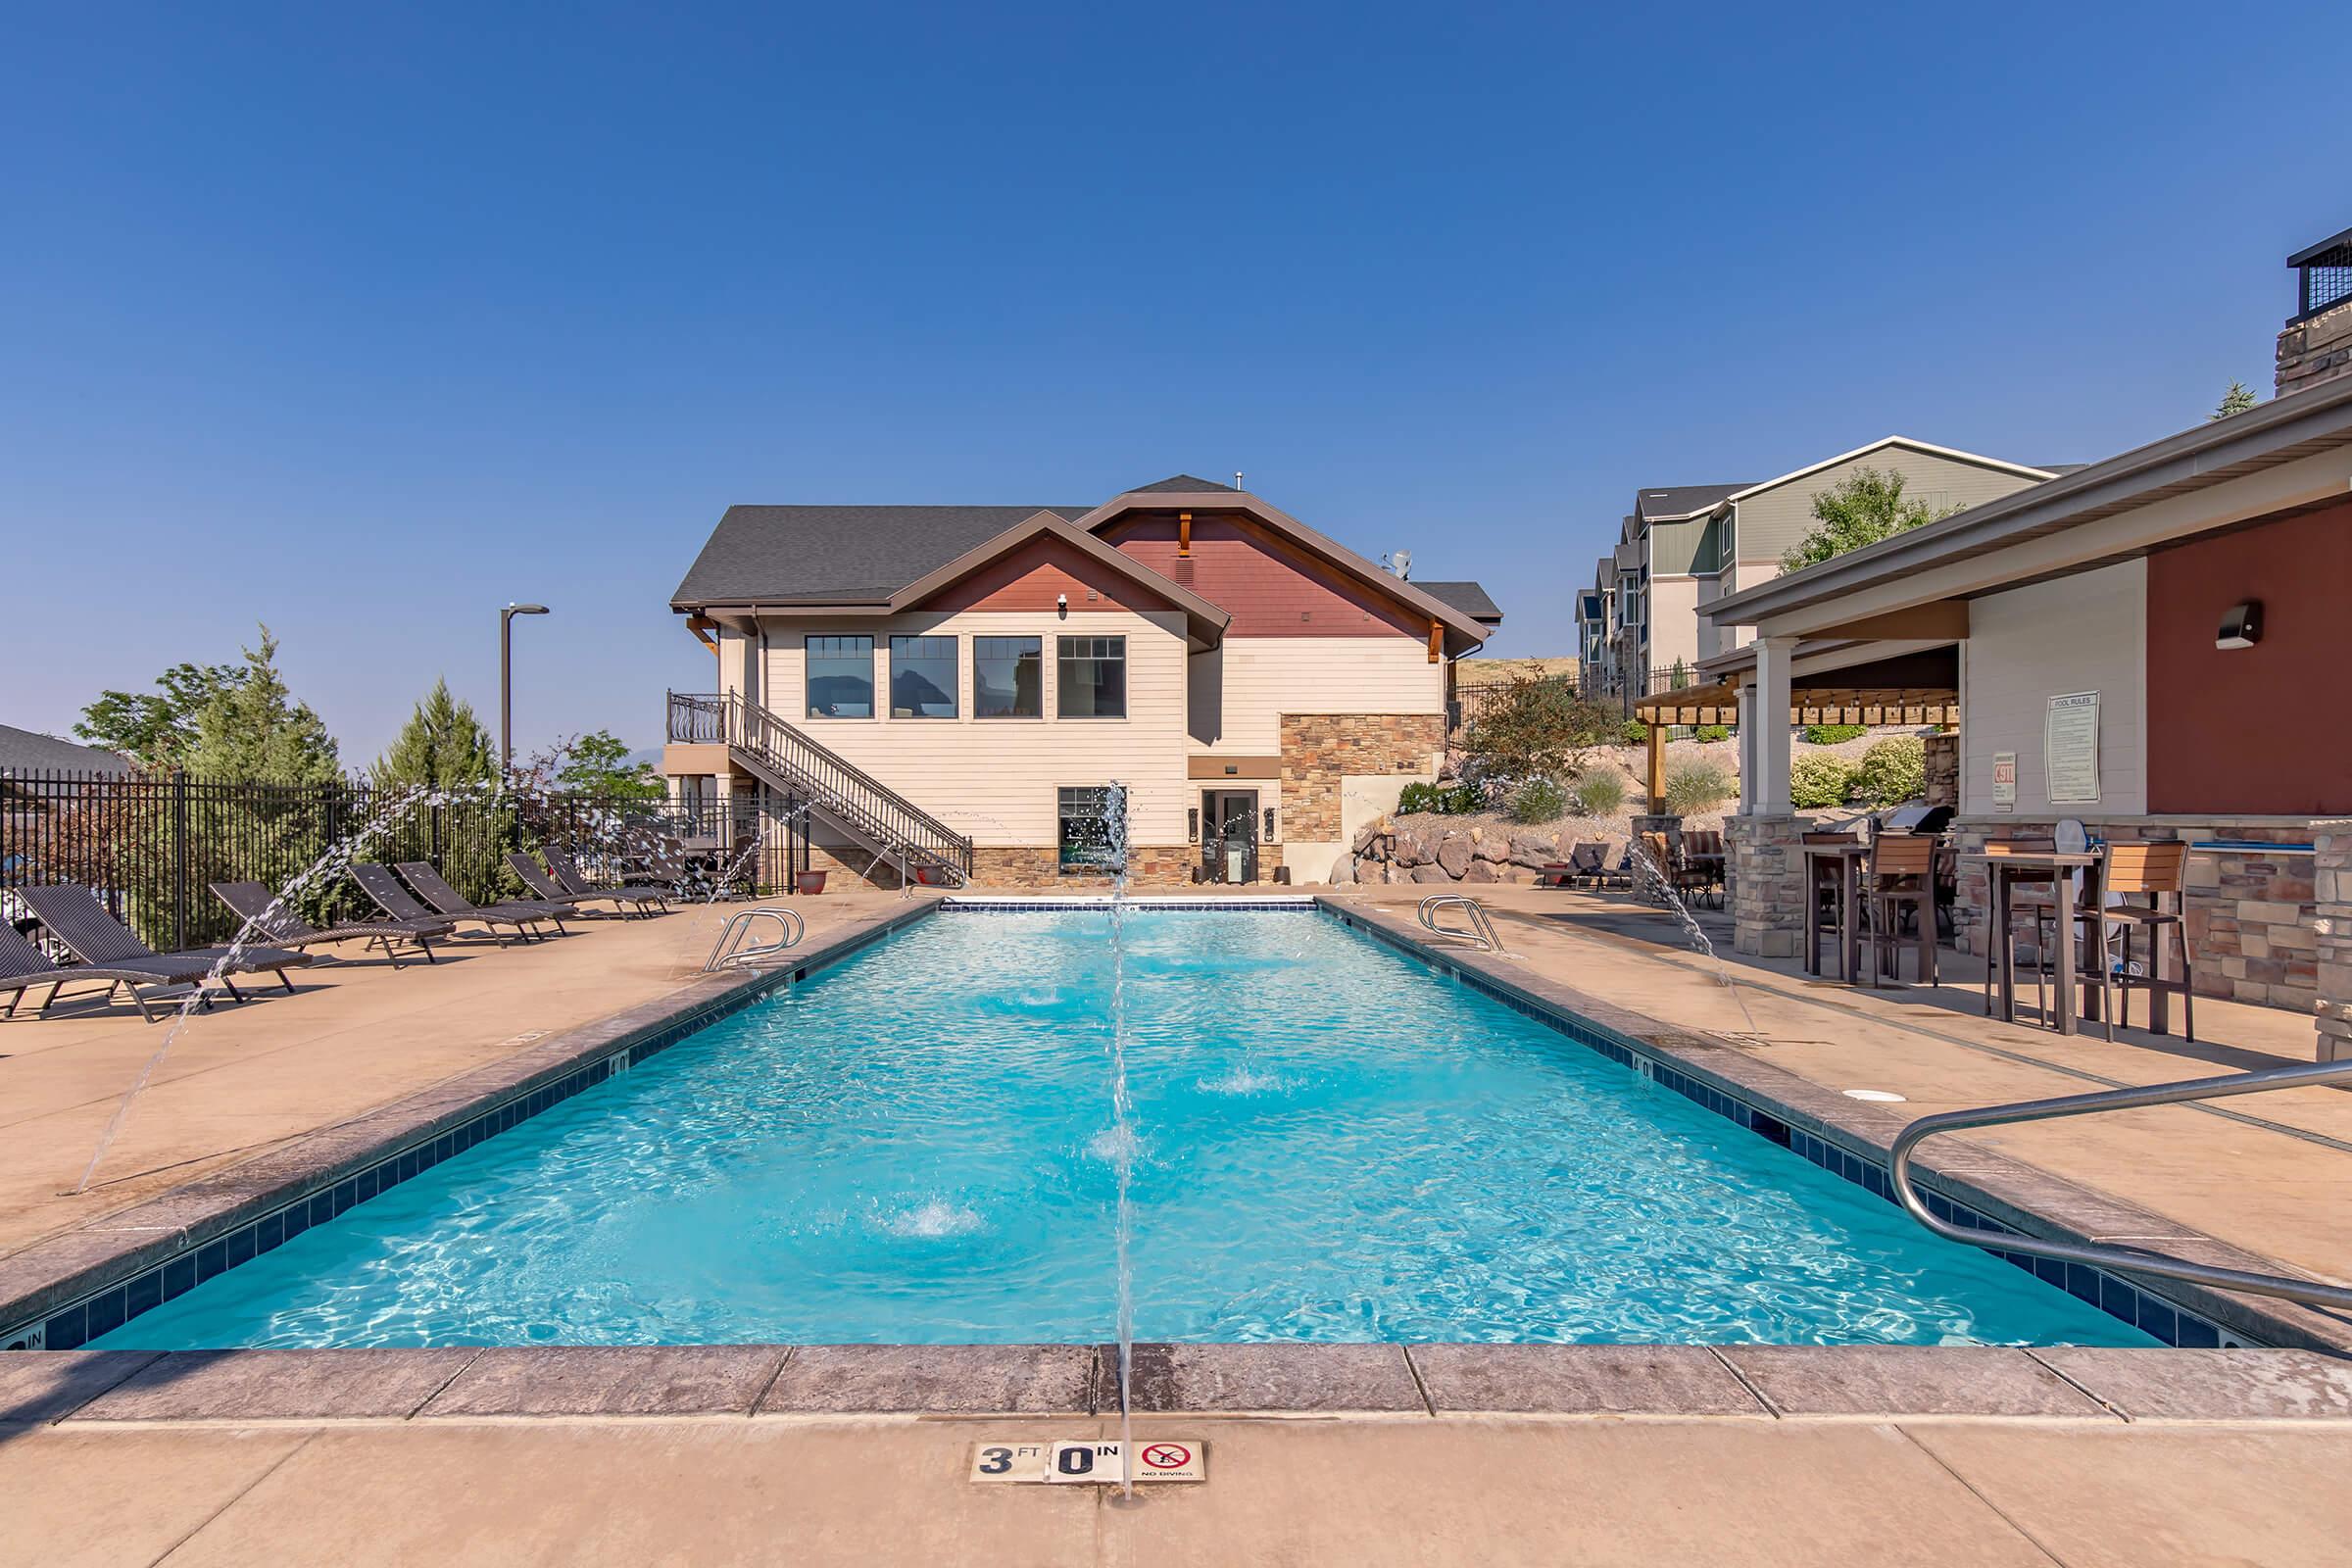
(2077,634)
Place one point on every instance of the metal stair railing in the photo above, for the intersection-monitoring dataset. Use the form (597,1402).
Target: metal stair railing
(1482,930)
(728,951)
(862,801)
(2119,1259)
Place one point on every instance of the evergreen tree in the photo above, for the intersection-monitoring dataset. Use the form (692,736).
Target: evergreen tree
(442,745)
(2237,399)
(254,731)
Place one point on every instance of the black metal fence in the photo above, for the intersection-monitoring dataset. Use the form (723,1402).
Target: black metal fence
(151,844)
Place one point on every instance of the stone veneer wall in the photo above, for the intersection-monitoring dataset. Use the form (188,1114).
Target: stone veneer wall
(1319,749)
(2332,880)
(1942,787)
(2252,918)
(2315,351)
(1767,876)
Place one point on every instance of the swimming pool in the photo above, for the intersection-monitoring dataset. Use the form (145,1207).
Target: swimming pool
(1336,1144)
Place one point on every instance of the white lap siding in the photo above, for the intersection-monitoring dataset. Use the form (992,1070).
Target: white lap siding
(2085,633)
(995,779)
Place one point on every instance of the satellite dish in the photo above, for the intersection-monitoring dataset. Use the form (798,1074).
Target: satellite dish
(1401,564)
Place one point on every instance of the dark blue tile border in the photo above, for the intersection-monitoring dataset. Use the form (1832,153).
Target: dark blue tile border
(2152,1314)
(108,1307)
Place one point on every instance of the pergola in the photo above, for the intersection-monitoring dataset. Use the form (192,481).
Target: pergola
(1919,686)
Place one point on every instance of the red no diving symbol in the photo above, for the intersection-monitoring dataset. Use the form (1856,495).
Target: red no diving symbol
(1168,1455)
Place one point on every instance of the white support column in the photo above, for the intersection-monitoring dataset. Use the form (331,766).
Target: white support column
(1748,750)
(1769,795)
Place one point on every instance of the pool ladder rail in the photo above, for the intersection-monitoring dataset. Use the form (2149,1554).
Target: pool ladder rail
(2120,1259)
(1481,930)
(728,951)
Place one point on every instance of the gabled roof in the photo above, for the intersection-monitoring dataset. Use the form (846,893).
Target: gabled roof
(1879,445)
(1662,503)
(31,751)
(1182,482)
(1468,598)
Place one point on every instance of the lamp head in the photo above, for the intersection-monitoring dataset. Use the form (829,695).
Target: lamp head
(527,609)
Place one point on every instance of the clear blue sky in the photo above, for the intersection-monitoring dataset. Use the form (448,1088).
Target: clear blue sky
(363,320)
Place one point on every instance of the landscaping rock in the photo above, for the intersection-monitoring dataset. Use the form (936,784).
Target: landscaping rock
(1535,848)
(1413,847)
(1494,846)
(1481,871)
(1453,853)
(1343,871)
(1428,873)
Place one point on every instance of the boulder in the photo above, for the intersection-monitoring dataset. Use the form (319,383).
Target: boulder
(1453,853)
(1517,875)
(1343,871)
(1429,873)
(1535,848)
(1413,847)
(1494,846)
(1481,871)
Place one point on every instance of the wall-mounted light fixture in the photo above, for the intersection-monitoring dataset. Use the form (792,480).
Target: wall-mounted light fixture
(1269,834)
(2241,627)
(1061,606)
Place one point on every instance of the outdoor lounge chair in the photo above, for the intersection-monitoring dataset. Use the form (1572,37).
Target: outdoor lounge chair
(396,901)
(563,880)
(75,916)
(436,892)
(251,902)
(23,967)
(648,887)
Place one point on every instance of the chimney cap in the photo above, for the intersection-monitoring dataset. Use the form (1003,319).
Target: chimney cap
(2333,251)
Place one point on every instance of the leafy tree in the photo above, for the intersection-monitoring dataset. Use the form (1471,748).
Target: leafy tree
(2237,399)
(597,763)
(253,731)
(154,729)
(1862,508)
(442,745)
(1535,728)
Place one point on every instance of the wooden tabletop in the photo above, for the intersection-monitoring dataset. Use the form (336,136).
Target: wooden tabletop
(1857,847)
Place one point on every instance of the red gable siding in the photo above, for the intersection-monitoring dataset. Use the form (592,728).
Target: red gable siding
(1033,575)
(1269,586)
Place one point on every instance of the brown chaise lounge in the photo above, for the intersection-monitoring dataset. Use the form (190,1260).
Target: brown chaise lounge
(628,902)
(396,901)
(23,967)
(574,885)
(75,916)
(253,903)
(433,890)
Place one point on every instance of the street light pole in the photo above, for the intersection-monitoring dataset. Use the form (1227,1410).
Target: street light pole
(506,681)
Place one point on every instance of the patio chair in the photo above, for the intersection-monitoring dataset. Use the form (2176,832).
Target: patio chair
(1898,876)
(569,883)
(23,967)
(396,901)
(2031,903)
(430,886)
(2155,872)
(252,903)
(628,905)
(1702,852)
(75,916)
(1677,876)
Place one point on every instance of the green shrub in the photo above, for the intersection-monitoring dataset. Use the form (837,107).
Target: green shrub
(1538,800)
(1891,771)
(1442,800)
(1598,793)
(1632,732)
(1711,734)
(1816,780)
(1694,787)
(1834,734)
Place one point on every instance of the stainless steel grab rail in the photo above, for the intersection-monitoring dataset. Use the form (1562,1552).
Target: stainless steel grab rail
(724,956)
(1482,930)
(2122,1259)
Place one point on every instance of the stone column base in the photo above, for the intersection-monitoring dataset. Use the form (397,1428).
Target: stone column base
(2332,891)
(1767,884)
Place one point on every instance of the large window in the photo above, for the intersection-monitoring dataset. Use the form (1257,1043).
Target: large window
(841,677)
(1092,842)
(1009,677)
(922,678)
(1091,678)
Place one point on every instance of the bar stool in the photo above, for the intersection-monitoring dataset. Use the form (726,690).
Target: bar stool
(2154,871)
(1900,874)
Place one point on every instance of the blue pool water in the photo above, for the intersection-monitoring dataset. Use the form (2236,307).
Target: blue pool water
(1335,1144)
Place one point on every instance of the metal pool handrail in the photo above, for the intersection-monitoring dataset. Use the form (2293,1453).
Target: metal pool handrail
(1482,930)
(2124,1259)
(724,956)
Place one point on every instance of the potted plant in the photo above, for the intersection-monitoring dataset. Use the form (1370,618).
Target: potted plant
(808,883)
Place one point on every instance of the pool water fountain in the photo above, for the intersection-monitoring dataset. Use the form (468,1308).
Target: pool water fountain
(1664,886)
(1123,1132)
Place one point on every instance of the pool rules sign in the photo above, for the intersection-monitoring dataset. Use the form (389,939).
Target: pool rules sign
(1080,1461)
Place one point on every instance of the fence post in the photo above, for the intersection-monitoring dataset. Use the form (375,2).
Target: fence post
(179,860)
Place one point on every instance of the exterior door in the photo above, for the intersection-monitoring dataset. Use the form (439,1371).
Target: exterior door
(1229,835)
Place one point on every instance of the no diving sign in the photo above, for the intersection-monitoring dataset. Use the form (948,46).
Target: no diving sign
(1078,1461)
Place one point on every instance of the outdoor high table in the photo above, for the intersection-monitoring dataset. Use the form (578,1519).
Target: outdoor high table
(2055,867)
(1848,854)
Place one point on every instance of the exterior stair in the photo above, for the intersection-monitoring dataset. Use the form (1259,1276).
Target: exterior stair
(833,787)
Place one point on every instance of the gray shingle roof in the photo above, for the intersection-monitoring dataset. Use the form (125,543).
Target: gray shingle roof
(31,749)
(1467,596)
(784,555)
(1676,500)
(1180,482)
